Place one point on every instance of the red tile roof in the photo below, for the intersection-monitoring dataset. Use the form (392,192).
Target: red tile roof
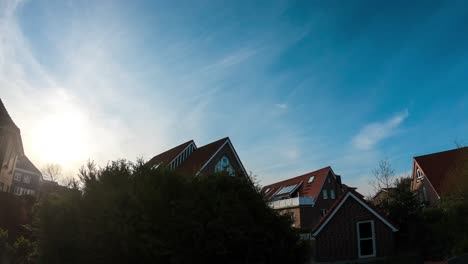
(167,156)
(341,200)
(201,155)
(438,166)
(306,189)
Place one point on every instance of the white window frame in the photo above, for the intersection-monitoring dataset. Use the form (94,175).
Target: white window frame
(332,194)
(325,194)
(374,251)
(311,179)
(27,178)
(18,176)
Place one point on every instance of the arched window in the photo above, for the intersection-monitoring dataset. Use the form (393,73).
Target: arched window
(224,165)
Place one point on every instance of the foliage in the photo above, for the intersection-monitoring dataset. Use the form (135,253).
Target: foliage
(132,213)
(22,252)
(403,207)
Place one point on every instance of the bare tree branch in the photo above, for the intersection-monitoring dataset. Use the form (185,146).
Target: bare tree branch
(53,171)
(383,176)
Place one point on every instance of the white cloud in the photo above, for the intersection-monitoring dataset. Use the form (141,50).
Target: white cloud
(373,133)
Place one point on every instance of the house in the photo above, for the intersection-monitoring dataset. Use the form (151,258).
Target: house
(307,198)
(214,157)
(353,229)
(11,147)
(383,195)
(26,178)
(438,174)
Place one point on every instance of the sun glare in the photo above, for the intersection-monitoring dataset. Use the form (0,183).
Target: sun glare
(61,137)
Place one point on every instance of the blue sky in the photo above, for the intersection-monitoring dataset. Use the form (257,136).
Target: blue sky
(296,85)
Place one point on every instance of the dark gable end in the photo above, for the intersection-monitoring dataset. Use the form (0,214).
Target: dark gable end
(351,195)
(205,158)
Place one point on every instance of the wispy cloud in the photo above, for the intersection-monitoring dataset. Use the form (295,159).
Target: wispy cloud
(373,133)
(282,106)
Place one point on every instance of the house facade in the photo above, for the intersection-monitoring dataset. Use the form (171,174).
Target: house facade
(27,178)
(11,147)
(437,174)
(307,198)
(214,157)
(353,229)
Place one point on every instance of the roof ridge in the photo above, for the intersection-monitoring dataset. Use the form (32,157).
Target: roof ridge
(214,142)
(440,152)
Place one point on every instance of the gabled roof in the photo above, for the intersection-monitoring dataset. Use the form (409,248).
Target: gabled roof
(200,157)
(351,194)
(167,156)
(306,189)
(437,166)
(24,163)
(5,119)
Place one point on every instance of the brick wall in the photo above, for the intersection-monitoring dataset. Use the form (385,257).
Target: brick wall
(338,239)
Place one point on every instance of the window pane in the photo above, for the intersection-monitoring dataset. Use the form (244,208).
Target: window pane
(367,247)
(365,230)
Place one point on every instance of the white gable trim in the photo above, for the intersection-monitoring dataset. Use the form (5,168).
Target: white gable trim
(349,194)
(182,151)
(228,142)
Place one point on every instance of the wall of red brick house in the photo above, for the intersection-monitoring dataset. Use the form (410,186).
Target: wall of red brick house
(338,239)
(310,216)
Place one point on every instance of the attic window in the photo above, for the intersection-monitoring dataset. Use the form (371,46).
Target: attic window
(420,175)
(267,190)
(311,179)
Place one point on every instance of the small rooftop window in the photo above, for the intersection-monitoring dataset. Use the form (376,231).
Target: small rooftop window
(311,179)
(267,190)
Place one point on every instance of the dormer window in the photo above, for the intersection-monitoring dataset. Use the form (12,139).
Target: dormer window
(311,179)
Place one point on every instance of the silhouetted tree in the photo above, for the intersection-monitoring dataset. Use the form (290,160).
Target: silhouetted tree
(131,213)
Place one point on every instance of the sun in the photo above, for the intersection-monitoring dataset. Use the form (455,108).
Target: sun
(60,137)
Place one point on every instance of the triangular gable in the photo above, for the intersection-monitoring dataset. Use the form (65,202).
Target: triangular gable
(339,203)
(226,142)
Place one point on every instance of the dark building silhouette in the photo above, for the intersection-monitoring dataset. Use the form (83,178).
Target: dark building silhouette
(11,148)
(214,157)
